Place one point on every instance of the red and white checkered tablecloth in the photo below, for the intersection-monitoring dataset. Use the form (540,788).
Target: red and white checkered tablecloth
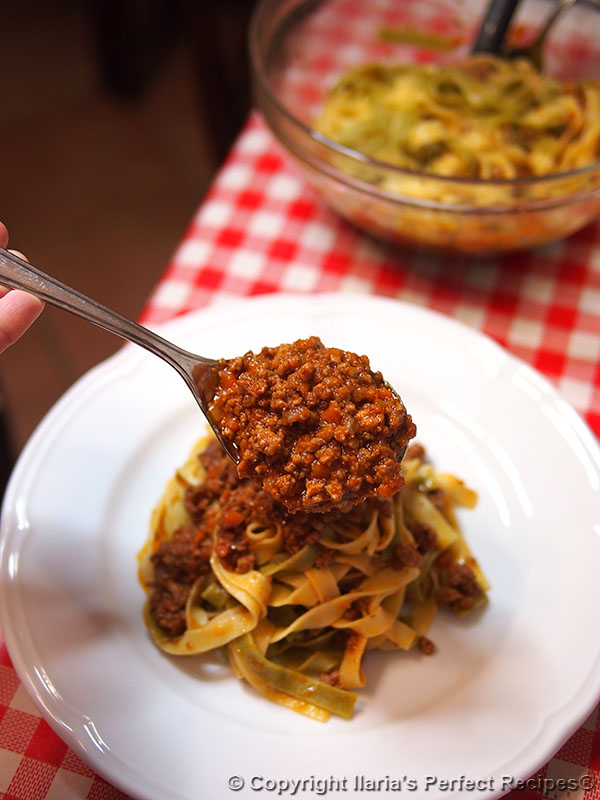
(261,230)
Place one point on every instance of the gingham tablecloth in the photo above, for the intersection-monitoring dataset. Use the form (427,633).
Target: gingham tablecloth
(261,230)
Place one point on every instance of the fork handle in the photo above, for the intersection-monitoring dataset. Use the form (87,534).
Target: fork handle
(16,273)
(490,37)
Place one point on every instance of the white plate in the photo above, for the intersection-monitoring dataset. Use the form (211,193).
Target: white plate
(501,694)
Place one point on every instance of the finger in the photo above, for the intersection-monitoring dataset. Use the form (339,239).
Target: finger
(5,289)
(18,310)
(3,235)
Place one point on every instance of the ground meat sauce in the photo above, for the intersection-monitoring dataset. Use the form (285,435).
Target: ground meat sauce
(315,426)
(182,559)
(424,536)
(178,563)
(426,646)
(458,584)
(406,555)
(224,505)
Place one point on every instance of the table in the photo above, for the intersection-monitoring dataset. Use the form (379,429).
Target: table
(261,230)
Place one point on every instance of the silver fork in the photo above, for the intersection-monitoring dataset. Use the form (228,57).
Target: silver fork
(198,372)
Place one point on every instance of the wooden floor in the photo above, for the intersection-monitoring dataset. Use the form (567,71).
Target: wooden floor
(94,191)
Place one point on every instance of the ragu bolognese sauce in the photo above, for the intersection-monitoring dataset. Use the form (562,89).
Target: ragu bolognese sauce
(314,425)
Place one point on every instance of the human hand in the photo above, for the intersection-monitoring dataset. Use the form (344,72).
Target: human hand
(18,310)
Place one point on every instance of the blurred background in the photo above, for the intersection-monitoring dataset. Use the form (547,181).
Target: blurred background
(114,116)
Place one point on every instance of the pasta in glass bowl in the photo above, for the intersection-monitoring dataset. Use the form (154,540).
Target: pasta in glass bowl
(401,131)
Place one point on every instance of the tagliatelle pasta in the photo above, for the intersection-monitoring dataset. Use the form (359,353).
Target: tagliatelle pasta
(482,155)
(487,118)
(298,600)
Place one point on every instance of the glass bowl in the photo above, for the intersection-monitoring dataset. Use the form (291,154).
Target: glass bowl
(298,50)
